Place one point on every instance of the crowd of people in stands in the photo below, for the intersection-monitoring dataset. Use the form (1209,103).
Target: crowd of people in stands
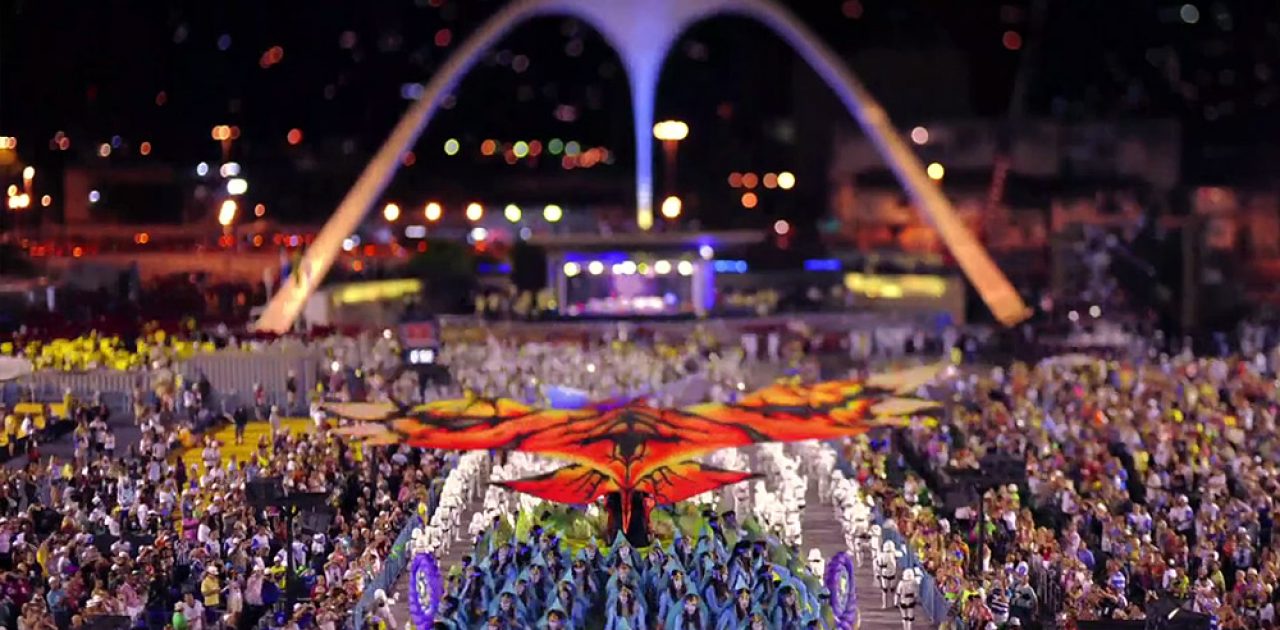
(144,537)
(1147,485)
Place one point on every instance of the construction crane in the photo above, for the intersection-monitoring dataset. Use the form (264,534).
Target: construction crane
(1017,103)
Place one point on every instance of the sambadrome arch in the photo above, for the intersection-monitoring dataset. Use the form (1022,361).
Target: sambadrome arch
(642,32)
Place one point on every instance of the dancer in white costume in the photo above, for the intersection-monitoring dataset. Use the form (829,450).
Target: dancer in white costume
(886,570)
(907,595)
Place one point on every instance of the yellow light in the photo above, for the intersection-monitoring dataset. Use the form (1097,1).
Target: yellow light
(685,268)
(749,200)
(936,172)
(512,213)
(786,180)
(391,213)
(433,211)
(28,173)
(572,269)
(520,149)
(227,213)
(662,267)
(451,146)
(13,189)
(671,130)
(644,219)
(237,186)
(552,213)
(46,201)
(374,291)
(920,135)
(671,207)
(475,212)
(104,150)
(595,267)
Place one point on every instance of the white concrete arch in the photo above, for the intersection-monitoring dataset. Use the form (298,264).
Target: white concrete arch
(642,32)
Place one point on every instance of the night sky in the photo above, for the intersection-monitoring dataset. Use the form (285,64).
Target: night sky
(167,72)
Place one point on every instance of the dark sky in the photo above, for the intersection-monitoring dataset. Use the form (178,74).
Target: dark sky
(167,72)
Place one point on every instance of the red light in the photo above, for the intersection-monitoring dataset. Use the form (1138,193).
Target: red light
(422,246)
(370,250)
(1011,40)
(77,252)
(851,9)
(295,136)
(443,37)
(409,159)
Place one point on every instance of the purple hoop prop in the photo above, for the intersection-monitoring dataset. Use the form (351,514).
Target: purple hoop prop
(844,610)
(424,569)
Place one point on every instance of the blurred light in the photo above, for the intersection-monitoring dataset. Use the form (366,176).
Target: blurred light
(628,267)
(936,172)
(662,267)
(28,173)
(735,179)
(749,200)
(202,169)
(451,146)
(520,63)
(259,210)
(671,130)
(391,212)
(572,269)
(730,266)
(685,268)
(257,240)
(1095,311)
(671,207)
(535,148)
(750,180)
(479,234)
(770,181)
(224,42)
(781,227)
(8,142)
(920,135)
(433,211)
(116,142)
(227,213)
(706,252)
(1189,13)
(1073,316)
(786,180)
(13,189)
(104,150)
(443,37)
(521,149)
(552,213)
(94,196)
(294,137)
(572,148)
(415,231)
(145,148)
(237,186)
(142,238)
(488,147)
(595,267)
(475,212)
(230,169)
(411,91)
(1011,40)
(555,146)
(348,244)
(512,213)
(77,251)
(46,201)
(851,9)
(409,158)
(822,264)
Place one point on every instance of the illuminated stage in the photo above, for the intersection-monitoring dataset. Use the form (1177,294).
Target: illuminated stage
(643,274)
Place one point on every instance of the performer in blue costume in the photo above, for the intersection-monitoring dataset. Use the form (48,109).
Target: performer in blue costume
(738,613)
(566,599)
(625,611)
(675,591)
(689,614)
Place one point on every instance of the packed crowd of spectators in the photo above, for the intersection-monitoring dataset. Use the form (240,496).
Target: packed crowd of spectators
(136,534)
(1147,484)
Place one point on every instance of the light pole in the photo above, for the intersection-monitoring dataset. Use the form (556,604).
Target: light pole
(670,132)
